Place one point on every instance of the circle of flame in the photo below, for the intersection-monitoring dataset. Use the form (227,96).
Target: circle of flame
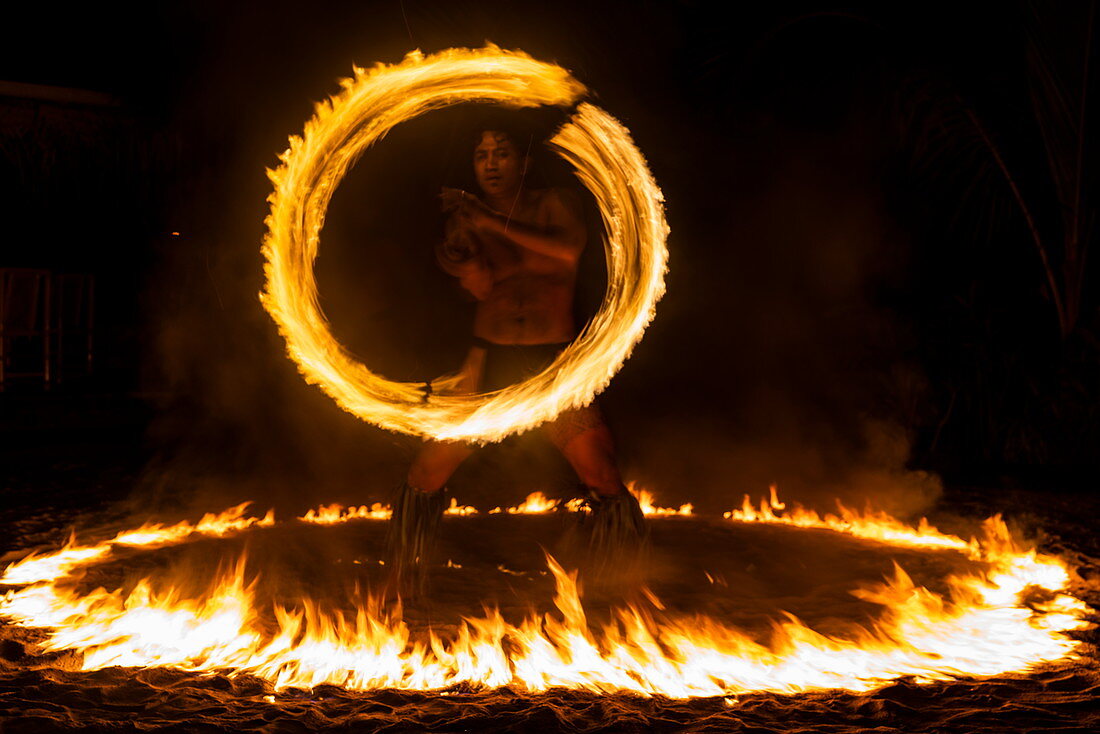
(921,634)
(605,160)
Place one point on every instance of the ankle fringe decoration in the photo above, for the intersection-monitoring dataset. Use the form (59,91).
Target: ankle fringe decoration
(412,534)
(619,537)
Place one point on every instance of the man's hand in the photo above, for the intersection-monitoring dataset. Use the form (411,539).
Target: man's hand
(451,200)
(459,254)
(467,210)
(458,248)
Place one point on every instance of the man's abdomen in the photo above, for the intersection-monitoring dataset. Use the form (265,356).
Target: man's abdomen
(527,310)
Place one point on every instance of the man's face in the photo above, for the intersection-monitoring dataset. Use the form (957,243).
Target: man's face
(498,166)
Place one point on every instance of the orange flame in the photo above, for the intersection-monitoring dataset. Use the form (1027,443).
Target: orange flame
(39,568)
(646,500)
(536,504)
(919,633)
(870,525)
(456,509)
(335,513)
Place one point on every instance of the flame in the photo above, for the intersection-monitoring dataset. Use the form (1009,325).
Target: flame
(646,500)
(869,525)
(536,504)
(58,564)
(456,509)
(605,160)
(336,513)
(989,623)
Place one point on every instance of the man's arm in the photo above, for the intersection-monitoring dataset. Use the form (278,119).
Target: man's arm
(563,238)
(459,254)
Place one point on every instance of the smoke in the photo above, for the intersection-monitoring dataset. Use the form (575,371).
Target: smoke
(235,420)
(780,356)
(710,465)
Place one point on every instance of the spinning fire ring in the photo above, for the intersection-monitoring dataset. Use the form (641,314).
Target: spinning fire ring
(605,160)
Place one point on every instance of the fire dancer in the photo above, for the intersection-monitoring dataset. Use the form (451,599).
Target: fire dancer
(515,250)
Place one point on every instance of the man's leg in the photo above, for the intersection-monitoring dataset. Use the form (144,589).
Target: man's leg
(418,507)
(437,460)
(589,448)
(435,463)
(417,510)
(617,536)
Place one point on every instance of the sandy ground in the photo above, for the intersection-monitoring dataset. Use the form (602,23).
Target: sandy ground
(758,572)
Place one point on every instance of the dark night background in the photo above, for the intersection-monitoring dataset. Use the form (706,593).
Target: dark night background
(856,306)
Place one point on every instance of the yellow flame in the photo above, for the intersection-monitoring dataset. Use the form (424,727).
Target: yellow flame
(646,500)
(336,513)
(983,626)
(869,525)
(37,568)
(536,503)
(606,161)
(456,509)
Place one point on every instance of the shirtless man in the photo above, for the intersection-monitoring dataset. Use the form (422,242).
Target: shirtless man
(516,251)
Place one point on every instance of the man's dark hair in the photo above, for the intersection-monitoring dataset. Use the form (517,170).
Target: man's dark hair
(505,123)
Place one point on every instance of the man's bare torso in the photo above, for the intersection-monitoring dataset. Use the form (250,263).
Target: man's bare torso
(526,297)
